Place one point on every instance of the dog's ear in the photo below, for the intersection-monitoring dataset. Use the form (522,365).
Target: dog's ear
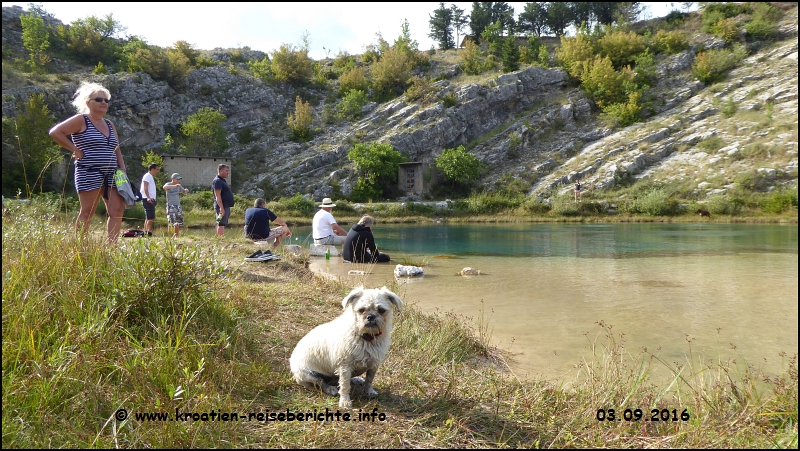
(393,298)
(353,296)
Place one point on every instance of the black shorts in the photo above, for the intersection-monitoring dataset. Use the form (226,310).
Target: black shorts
(149,209)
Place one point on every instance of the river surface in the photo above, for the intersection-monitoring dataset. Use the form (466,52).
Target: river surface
(730,289)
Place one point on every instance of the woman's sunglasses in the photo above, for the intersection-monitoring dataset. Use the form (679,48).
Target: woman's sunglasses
(101,100)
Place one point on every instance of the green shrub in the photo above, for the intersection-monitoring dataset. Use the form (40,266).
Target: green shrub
(473,60)
(376,165)
(245,135)
(485,204)
(574,52)
(421,89)
(729,109)
(564,205)
(510,186)
(605,85)
(623,114)
(727,29)
(590,208)
(343,62)
(543,56)
(100,69)
(657,203)
(364,192)
(300,122)
(391,73)
(621,47)
(29,153)
(778,203)
(450,100)
(761,29)
(353,78)
(711,144)
(351,104)
(204,133)
(724,205)
(297,205)
(764,22)
(752,180)
(675,18)
(261,69)
(714,65)
(458,165)
(533,205)
(714,12)
(669,41)
(291,64)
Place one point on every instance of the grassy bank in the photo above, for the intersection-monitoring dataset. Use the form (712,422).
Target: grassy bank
(627,205)
(158,325)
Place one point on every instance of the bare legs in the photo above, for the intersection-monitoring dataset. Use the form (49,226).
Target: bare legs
(115,207)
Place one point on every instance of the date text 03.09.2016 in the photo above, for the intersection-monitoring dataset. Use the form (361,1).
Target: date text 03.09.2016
(638,415)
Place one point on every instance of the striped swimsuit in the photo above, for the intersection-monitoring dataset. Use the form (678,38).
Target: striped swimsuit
(99,160)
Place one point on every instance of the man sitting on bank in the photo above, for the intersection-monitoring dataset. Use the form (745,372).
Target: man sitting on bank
(256,224)
(359,246)
(324,228)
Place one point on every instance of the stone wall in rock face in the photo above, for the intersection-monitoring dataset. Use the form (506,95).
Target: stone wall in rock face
(196,171)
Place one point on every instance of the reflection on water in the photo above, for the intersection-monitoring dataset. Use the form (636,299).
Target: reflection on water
(545,286)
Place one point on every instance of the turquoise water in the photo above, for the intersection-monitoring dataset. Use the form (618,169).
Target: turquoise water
(580,240)
(712,291)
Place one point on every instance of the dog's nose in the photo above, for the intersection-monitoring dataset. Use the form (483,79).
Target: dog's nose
(370,317)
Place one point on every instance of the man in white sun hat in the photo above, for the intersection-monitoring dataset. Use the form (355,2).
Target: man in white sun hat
(324,227)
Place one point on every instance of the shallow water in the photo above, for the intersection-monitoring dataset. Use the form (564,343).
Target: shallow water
(544,287)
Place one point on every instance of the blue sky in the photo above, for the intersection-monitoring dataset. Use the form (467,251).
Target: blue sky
(332,27)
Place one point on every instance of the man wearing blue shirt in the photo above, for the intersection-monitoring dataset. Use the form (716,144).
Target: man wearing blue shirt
(256,224)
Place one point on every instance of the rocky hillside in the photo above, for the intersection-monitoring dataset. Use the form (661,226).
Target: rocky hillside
(531,125)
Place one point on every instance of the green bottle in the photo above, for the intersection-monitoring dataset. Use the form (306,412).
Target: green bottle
(327,253)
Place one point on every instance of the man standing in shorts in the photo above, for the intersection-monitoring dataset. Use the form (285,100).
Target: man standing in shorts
(174,210)
(223,197)
(256,224)
(148,190)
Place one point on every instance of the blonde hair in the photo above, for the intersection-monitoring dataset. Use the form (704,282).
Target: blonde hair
(84,93)
(366,221)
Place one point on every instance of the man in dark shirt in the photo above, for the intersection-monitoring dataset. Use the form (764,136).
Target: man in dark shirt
(359,246)
(256,224)
(223,197)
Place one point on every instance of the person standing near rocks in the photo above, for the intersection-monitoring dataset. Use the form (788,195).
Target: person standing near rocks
(223,197)
(95,146)
(174,190)
(148,190)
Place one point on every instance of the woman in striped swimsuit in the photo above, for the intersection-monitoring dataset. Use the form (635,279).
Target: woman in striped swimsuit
(94,145)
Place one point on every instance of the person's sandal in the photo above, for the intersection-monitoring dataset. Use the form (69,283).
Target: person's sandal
(256,257)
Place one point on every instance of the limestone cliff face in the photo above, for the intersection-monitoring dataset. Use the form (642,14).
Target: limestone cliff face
(530,125)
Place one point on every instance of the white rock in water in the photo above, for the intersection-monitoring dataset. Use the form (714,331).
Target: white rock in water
(470,272)
(409,271)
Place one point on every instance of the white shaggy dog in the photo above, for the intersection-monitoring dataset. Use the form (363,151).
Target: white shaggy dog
(352,344)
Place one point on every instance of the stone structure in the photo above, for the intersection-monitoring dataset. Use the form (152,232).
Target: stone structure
(195,170)
(416,178)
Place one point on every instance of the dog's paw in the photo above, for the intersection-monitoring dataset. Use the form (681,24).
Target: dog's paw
(371,393)
(345,402)
(357,381)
